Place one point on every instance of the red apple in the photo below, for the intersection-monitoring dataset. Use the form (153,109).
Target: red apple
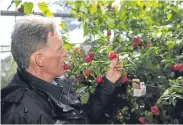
(88,59)
(109,33)
(149,45)
(87,72)
(155,110)
(79,19)
(99,79)
(141,120)
(180,67)
(20,10)
(125,78)
(66,67)
(98,6)
(112,55)
(109,6)
(91,54)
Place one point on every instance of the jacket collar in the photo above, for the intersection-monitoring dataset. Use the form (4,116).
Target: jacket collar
(34,82)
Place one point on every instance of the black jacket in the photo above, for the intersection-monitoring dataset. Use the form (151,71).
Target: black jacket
(30,100)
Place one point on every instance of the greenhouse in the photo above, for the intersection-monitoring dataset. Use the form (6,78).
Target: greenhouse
(91,61)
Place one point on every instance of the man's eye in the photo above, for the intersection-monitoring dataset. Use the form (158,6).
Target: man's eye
(60,49)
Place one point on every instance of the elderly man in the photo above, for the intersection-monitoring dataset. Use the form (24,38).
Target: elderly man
(30,98)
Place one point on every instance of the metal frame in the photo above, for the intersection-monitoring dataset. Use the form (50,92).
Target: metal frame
(16,13)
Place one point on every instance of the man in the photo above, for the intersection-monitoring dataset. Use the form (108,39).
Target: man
(30,98)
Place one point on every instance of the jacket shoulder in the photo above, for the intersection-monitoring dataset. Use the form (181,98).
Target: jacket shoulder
(25,109)
(12,118)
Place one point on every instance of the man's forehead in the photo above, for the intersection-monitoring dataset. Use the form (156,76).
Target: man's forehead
(59,32)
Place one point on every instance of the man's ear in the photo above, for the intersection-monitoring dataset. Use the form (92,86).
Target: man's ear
(39,58)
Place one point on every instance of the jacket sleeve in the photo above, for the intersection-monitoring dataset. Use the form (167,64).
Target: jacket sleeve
(99,100)
(13,118)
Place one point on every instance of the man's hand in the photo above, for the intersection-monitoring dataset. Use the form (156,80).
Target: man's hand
(114,73)
(136,83)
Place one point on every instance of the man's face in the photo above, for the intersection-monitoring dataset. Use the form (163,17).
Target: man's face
(54,56)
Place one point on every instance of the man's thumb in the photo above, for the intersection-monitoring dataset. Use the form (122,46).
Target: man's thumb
(114,62)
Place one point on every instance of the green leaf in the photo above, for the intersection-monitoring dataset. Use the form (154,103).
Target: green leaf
(131,3)
(93,9)
(174,101)
(62,25)
(86,29)
(84,97)
(17,2)
(102,50)
(97,70)
(169,16)
(82,89)
(44,9)
(149,116)
(67,46)
(28,7)
(42,6)
(140,3)
(110,1)
(158,34)
(78,4)
(48,13)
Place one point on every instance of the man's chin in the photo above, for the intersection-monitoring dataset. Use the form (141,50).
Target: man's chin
(61,75)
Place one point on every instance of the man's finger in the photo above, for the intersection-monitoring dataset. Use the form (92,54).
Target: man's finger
(135,85)
(118,66)
(115,62)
